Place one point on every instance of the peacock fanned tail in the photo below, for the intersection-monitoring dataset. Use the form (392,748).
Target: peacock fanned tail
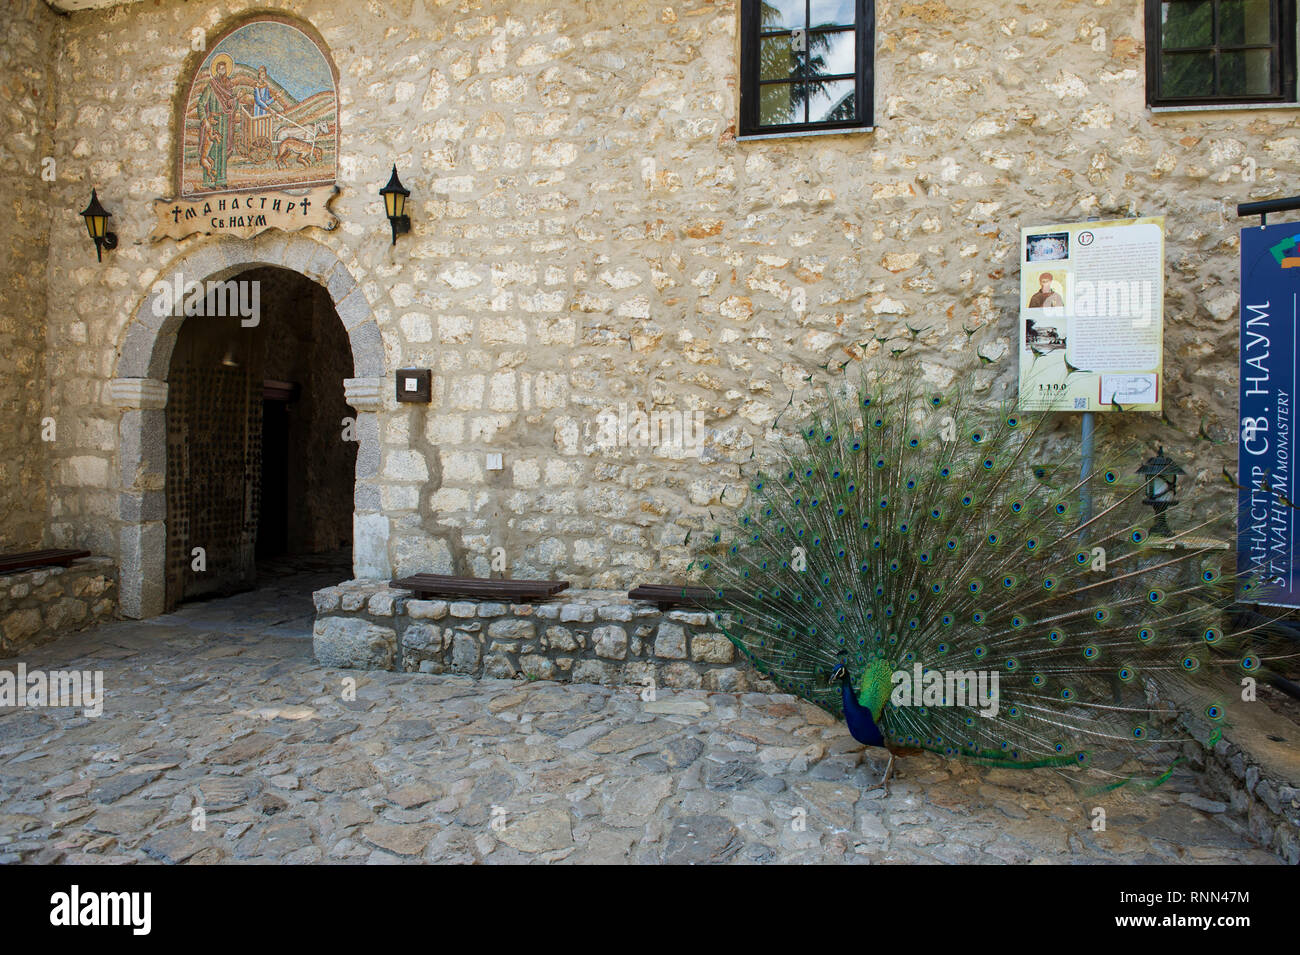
(907,531)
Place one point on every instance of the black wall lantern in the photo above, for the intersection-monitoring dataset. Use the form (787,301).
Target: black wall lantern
(97,217)
(1161,474)
(395,205)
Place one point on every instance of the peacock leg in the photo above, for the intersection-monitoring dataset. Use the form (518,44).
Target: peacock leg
(889,769)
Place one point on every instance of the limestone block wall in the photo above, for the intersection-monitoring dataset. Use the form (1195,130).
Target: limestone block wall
(582,636)
(590,239)
(27,89)
(37,606)
(1254,774)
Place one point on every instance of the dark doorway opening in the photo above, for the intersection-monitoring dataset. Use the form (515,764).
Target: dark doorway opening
(260,467)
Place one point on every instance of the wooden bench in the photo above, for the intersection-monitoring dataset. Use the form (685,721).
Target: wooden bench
(668,596)
(25,560)
(427,586)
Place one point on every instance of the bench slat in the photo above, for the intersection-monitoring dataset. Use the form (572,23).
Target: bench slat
(668,596)
(22,560)
(445,585)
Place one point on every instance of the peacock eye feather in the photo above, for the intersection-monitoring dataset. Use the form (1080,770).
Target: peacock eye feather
(915,609)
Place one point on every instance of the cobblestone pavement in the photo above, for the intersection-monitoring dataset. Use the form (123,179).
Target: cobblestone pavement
(220,705)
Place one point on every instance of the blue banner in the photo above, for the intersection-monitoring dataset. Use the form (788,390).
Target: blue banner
(1270,293)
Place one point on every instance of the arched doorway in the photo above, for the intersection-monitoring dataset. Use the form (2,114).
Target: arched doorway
(260,460)
(141,391)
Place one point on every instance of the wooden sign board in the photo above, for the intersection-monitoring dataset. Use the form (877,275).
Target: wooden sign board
(245,214)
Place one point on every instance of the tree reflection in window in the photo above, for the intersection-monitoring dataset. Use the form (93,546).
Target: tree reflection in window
(817,84)
(1220,50)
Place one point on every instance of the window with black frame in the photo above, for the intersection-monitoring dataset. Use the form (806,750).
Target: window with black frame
(805,65)
(1220,52)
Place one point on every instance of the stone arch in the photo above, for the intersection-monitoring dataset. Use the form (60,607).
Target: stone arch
(139,388)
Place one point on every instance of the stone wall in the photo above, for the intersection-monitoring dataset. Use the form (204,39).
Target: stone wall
(582,636)
(40,605)
(27,90)
(589,235)
(1254,774)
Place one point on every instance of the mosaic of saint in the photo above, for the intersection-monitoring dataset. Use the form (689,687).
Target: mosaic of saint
(262,113)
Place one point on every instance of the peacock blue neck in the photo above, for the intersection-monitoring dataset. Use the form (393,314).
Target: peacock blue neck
(861,726)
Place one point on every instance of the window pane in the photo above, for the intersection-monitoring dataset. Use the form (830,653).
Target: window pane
(832,54)
(1246,73)
(776,59)
(1244,21)
(1187,74)
(778,105)
(840,13)
(782,14)
(832,101)
(1187,23)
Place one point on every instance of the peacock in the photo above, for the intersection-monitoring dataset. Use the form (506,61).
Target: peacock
(937,570)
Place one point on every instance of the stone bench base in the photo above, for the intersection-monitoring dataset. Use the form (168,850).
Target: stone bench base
(583,636)
(39,605)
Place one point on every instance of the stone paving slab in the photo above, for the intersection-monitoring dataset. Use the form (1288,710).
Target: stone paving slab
(221,707)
